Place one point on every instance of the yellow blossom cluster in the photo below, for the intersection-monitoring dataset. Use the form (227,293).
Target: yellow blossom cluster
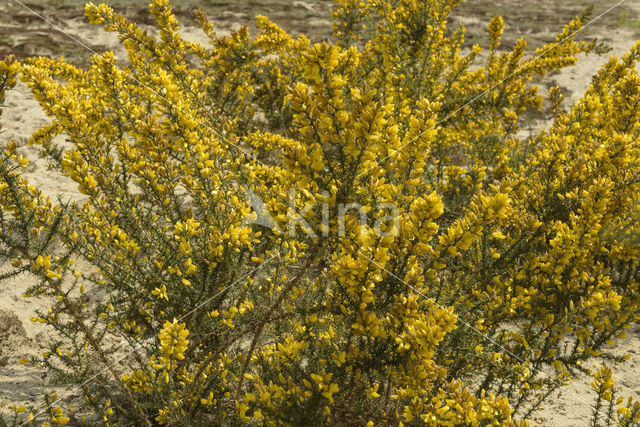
(627,412)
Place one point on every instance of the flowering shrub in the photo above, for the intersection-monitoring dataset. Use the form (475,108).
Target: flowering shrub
(421,263)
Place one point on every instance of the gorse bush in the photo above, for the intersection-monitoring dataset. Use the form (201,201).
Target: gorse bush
(421,262)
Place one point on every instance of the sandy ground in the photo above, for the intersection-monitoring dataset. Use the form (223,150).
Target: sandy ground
(19,337)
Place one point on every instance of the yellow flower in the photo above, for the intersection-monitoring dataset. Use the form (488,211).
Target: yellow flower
(173,343)
(161,292)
